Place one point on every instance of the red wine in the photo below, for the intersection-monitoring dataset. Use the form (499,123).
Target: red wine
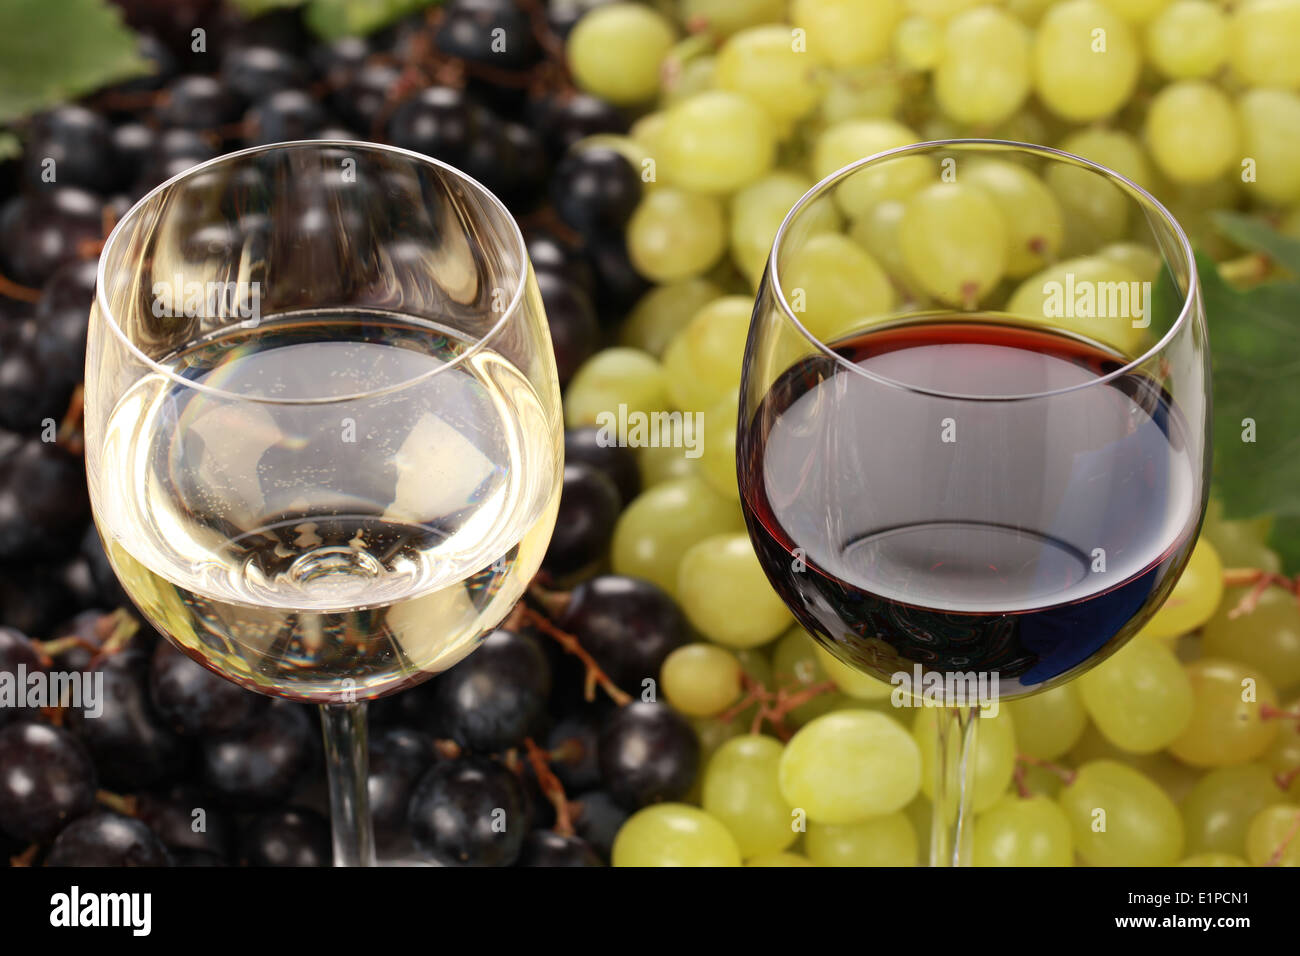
(921,509)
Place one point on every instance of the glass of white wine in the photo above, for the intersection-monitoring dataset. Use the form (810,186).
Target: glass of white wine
(323,429)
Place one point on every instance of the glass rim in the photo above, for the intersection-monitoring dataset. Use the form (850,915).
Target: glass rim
(133,214)
(819,190)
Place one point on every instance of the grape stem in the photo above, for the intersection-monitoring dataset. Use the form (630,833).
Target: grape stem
(447,749)
(595,674)
(70,435)
(27,857)
(1284,778)
(12,290)
(1258,581)
(773,706)
(551,787)
(121,803)
(1276,858)
(1022,760)
(1247,269)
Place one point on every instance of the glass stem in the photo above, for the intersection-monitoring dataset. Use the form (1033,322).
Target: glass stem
(954,769)
(348,766)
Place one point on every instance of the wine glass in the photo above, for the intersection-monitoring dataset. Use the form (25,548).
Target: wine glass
(323,428)
(972,446)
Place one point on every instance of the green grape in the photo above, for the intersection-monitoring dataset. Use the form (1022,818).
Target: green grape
(1049,723)
(877,232)
(763,64)
(717,461)
(844,33)
(725,594)
(1188,40)
(1141,260)
(1270,133)
(984,75)
(1225,729)
(700,679)
(850,765)
(741,790)
(721,18)
(1032,831)
(714,142)
(1120,818)
(1100,316)
(1034,220)
(1039,781)
(1096,210)
(1174,777)
(663,522)
(675,234)
(758,210)
(855,139)
(1267,639)
(647,133)
(780,859)
(614,51)
(712,734)
(1193,599)
(995,756)
(1283,756)
(689,78)
(1192,131)
(663,311)
(664,463)
(1273,838)
(887,840)
(838,285)
(1240,543)
(796,667)
(954,241)
(1137,11)
(1206,860)
(702,362)
(1080,74)
(674,834)
(918,43)
(1264,43)
(1139,698)
(940,10)
(613,377)
(849,679)
(861,92)
(1029,12)
(1221,805)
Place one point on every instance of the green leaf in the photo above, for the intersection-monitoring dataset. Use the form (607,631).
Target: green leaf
(331,19)
(1249,233)
(255,8)
(56,51)
(1255,350)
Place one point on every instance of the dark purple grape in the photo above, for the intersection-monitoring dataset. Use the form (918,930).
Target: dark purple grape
(572,322)
(131,746)
(437,121)
(61,321)
(572,747)
(565,121)
(43,500)
(107,585)
(193,700)
(103,838)
(495,697)
(71,146)
(41,231)
(294,836)
(162,66)
(258,764)
(31,395)
(255,72)
(16,651)
(361,102)
(492,32)
(398,759)
(618,462)
(72,286)
(184,143)
(283,116)
(335,132)
(527,164)
(339,59)
(552,254)
(46,779)
(134,147)
(598,818)
(34,597)
(548,848)
(196,102)
(469,812)
(563,15)
(589,509)
(185,819)
(618,284)
(627,624)
(76,577)
(595,191)
(189,858)
(648,753)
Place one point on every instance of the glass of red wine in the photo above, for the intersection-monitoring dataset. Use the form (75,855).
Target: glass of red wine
(974,419)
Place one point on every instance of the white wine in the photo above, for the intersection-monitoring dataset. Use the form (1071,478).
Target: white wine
(330,506)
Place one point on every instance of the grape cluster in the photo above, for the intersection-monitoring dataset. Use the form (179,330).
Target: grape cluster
(653,702)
